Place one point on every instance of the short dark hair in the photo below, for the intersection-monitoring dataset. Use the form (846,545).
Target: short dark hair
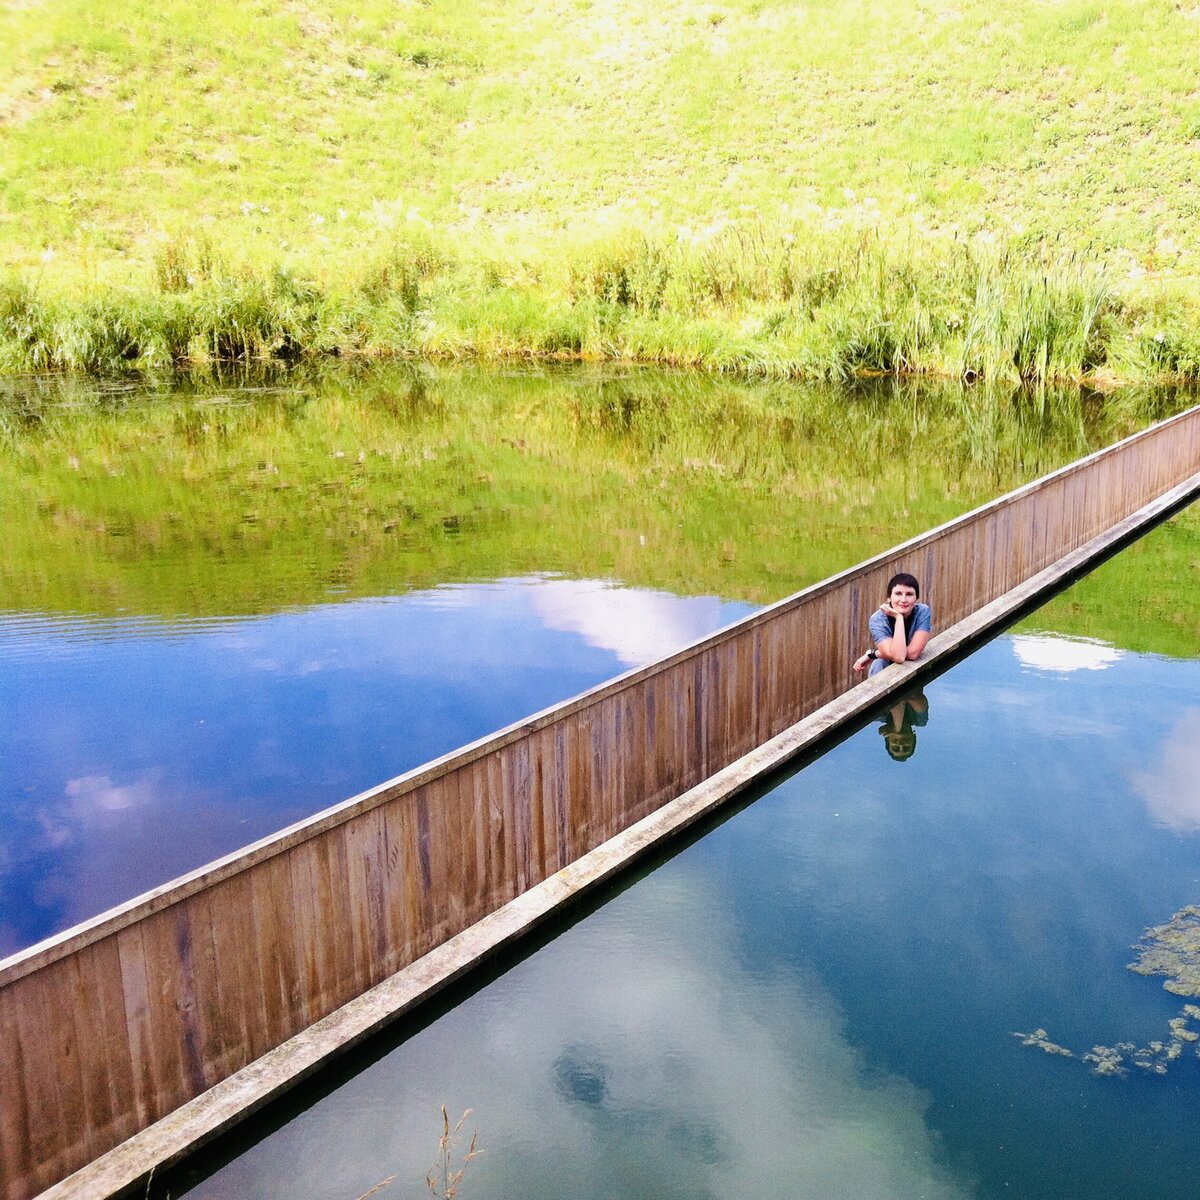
(901,744)
(906,580)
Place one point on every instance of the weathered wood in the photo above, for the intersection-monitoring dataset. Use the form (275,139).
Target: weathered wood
(107,1028)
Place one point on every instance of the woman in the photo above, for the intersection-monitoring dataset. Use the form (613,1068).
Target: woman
(900,627)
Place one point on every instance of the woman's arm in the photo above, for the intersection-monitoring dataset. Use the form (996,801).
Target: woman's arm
(921,625)
(917,643)
(895,644)
(894,648)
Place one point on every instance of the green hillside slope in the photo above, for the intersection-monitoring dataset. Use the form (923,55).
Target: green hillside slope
(807,188)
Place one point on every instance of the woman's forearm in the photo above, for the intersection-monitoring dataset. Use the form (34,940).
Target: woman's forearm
(896,647)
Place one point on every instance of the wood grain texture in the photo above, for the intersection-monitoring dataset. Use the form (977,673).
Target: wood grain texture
(113,1025)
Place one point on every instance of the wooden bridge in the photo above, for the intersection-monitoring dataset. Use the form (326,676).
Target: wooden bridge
(133,1038)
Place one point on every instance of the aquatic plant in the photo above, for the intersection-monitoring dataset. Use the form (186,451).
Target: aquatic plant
(444,1178)
(1171,949)
(377,1188)
(1041,1039)
(1109,1060)
(773,301)
(1152,1058)
(1179,1026)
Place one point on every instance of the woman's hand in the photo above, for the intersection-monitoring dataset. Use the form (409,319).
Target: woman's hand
(861,662)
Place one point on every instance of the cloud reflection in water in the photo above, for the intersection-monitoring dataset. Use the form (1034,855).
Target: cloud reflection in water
(1170,785)
(637,1055)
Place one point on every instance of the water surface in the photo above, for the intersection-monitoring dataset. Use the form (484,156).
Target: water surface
(224,607)
(818,998)
(227,603)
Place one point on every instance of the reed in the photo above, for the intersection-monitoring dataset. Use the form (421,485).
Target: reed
(778,190)
(776,303)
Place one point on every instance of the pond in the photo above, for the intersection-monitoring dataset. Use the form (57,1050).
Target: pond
(830,994)
(229,602)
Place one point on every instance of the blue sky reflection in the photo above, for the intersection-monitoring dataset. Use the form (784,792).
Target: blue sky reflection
(137,751)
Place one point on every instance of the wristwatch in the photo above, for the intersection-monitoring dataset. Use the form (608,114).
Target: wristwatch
(872,653)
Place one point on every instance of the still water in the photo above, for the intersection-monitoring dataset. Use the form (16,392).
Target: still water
(224,607)
(138,751)
(228,603)
(818,998)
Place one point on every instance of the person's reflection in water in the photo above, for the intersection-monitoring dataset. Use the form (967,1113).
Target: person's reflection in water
(900,729)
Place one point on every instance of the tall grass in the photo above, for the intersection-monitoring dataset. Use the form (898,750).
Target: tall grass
(798,189)
(209,316)
(794,302)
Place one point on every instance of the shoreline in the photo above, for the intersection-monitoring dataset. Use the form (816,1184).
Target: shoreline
(769,304)
(761,362)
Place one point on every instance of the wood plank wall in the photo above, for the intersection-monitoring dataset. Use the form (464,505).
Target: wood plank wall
(116,1023)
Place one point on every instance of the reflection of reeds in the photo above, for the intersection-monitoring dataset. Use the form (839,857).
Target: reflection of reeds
(642,475)
(773,302)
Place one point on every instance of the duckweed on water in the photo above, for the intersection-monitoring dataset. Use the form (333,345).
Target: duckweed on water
(1173,949)
(1108,1060)
(1180,1030)
(1041,1040)
(1115,1060)
(1112,1060)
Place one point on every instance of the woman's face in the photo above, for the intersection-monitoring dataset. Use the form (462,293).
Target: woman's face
(900,745)
(903,598)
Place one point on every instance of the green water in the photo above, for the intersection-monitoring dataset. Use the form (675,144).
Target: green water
(245,494)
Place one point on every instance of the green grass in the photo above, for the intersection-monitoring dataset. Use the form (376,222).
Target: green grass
(782,188)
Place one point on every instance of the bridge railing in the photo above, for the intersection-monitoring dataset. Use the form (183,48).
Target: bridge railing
(114,1024)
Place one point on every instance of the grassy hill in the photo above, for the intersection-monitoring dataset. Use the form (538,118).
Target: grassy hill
(788,188)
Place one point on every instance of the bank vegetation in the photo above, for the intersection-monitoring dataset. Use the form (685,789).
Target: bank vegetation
(778,189)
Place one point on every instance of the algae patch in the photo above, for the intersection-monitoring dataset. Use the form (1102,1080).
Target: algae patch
(1116,1060)
(1173,949)
(1041,1039)
(1109,1060)
(1180,1030)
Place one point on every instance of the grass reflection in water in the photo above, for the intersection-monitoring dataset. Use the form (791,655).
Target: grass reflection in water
(218,495)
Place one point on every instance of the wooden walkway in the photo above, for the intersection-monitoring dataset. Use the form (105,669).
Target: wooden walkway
(134,1037)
